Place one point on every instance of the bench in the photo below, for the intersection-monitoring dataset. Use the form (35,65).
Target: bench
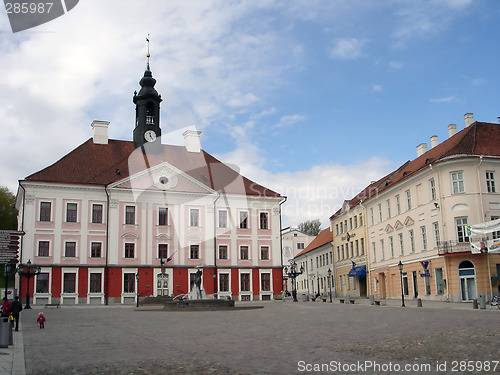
(351,301)
(52,305)
(377,303)
(342,300)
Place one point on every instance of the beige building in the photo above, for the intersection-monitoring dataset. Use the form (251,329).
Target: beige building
(419,217)
(349,244)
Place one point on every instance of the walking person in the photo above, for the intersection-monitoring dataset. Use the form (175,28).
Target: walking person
(41,319)
(16,307)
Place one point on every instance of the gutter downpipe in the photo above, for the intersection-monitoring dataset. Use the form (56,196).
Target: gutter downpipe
(366,245)
(22,237)
(484,218)
(281,244)
(441,213)
(106,267)
(215,246)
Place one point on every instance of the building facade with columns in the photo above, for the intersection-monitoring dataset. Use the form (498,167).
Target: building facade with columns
(114,221)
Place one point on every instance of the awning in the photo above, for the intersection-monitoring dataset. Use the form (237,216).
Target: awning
(357,271)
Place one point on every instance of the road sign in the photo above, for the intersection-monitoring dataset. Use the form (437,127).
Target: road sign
(9,245)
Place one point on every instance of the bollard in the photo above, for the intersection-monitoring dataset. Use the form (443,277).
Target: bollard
(482,301)
(419,302)
(347,299)
(372,299)
(474,304)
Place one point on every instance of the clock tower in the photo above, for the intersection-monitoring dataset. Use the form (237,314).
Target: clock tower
(147,112)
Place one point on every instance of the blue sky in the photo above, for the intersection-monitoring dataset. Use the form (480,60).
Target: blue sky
(311,98)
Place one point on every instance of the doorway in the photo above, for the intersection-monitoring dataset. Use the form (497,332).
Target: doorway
(467,276)
(162,284)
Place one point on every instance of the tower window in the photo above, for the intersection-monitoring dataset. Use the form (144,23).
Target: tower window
(150,120)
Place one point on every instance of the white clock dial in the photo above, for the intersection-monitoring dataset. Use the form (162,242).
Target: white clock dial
(150,136)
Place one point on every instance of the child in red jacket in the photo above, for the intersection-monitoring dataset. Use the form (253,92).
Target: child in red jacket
(41,319)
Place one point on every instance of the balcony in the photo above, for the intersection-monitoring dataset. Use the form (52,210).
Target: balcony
(453,247)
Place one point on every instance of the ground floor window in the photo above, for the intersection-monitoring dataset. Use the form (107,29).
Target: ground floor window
(95,282)
(42,283)
(224,282)
(439,281)
(69,283)
(265,280)
(128,282)
(245,282)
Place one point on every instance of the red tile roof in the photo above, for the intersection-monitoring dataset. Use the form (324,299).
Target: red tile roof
(324,237)
(103,164)
(480,138)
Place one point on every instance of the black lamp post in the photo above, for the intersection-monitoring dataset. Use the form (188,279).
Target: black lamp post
(6,271)
(330,282)
(292,274)
(214,276)
(400,266)
(29,270)
(137,278)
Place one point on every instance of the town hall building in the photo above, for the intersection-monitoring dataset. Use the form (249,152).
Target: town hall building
(115,221)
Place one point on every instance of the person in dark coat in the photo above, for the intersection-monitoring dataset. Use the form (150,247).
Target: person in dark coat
(16,307)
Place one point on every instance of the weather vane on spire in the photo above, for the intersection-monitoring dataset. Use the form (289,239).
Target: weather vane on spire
(148,55)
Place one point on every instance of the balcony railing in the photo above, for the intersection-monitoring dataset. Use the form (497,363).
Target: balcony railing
(453,247)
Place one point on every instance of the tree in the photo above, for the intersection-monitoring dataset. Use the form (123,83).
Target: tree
(8,212)
(310,227)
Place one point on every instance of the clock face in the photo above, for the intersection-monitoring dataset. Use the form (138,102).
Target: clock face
(150,136)
(288,251)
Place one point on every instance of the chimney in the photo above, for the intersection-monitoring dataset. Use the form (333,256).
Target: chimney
(434,141)
(192,140)
(469,119)
(452,130)
(100,132)
(421,149)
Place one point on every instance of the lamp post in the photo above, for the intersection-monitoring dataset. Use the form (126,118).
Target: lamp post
(214,275)
(137,278)
(292,274)
(6,271)
(29,270)
(400,266)
(330,282)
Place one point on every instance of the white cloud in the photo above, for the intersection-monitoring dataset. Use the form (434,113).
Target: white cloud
(446,99)
(347,49)
(313,193)
(376,88)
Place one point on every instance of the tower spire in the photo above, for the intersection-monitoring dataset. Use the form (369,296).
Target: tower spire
(148,55)
(147,109)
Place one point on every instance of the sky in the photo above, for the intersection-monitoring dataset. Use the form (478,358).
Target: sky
(313,99)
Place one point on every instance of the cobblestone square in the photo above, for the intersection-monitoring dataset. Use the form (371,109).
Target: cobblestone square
(281,338)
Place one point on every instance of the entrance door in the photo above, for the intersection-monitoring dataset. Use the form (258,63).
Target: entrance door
(362,286)
(162,284)
(415,283)
(467,275)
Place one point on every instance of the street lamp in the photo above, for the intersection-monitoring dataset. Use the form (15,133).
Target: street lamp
(400,266)
(214,275)
(292,274)
(28,271)
(330,282)
(6,271)
(137,278)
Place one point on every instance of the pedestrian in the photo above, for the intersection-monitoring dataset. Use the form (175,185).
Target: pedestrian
(41,319)
(5,307)
(16,307)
